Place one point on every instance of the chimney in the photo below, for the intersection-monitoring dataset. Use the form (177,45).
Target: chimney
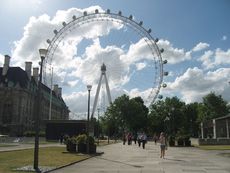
(56,89)
(59,92)
(6,65)
(28,66)
(35,74)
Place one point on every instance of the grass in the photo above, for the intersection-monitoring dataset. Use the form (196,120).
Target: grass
(40,142)
(214,147)
(48,156)
(8,145)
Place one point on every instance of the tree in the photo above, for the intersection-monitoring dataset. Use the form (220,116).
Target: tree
(137,117)
(157,116)
(167,115)
(125,114)
(213,107)
(191,119)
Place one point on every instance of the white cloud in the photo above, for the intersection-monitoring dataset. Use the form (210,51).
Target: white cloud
(141,65)
(173,55)
(222,57)
(212,59)
(77,101)
(73,83)
(224,38)
(137,51)
(39,29)
(200,46)
(206,59)
(2,58)
(195,83)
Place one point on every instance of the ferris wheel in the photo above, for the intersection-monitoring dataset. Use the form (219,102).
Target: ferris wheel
(120,44)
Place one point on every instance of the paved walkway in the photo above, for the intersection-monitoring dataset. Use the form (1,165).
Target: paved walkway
(118,158)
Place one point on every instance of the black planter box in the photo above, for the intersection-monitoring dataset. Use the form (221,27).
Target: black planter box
(71,147)
(82,148)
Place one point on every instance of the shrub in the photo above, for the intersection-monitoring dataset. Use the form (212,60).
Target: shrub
(72,140)
(172,140)
(29,133)
(82,139)
(32,133)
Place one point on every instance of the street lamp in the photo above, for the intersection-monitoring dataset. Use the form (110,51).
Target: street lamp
(42,53)
(89,87)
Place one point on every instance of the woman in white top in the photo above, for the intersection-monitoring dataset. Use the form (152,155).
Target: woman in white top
(162,141)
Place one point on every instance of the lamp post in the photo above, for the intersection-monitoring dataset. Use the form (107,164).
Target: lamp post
(89,87)
(43,53)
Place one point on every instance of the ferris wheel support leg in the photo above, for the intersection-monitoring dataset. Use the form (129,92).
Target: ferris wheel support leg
(108,90)
(96,97)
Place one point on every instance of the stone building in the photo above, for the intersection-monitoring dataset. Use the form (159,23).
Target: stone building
(18,99)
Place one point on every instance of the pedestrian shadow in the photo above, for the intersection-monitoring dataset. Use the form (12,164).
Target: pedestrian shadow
(115,161)
(177,160)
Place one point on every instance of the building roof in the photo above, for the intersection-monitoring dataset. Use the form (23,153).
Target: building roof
(224,117)
(14,76)
(17,76)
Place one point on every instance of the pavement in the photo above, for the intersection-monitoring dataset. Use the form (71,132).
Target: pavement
(118,158)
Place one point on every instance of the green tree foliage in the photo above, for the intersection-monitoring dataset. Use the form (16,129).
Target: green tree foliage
(125,114)
(170,115)
(191,123)
(213,107)
(167,115)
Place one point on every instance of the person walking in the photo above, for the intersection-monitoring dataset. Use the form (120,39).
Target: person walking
(162,141)
(144,140)
(129,137)
(155,138)
(139,135)
(124,138)
(135,138)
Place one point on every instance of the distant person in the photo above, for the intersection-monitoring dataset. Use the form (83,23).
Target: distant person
(162,141)
(135,138)
(139,135)
(143,140)
(155,138)
(124,138)
(129,138)
(61,138)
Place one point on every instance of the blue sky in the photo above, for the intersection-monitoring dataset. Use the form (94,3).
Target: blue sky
(194,34)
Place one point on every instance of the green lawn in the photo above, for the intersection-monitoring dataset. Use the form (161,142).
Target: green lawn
(49,156)
(214,147)
(8,145)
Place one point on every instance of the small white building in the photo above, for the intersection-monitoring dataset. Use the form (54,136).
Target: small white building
(216,131)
